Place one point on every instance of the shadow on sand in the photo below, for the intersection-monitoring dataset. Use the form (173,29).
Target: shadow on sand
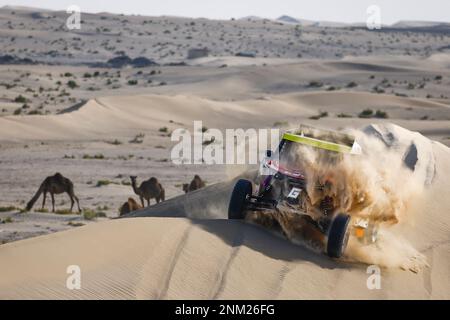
(207,209)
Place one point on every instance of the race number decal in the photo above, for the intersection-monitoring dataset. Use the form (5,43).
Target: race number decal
(295,192)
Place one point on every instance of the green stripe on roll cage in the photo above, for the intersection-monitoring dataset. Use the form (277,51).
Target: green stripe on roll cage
(317,143)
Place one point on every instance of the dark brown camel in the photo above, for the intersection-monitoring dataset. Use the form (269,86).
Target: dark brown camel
(148,189)
(56,184)
(196,183)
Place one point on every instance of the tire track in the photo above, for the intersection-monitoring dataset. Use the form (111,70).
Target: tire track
(221,281)
(173,262)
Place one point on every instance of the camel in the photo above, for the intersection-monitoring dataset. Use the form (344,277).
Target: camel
(148,189)
(196,183)
(129,206)
(55,184)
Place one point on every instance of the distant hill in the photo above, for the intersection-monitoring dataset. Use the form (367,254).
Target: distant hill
(253,18)
(418,24)
(288,19)
(23,8)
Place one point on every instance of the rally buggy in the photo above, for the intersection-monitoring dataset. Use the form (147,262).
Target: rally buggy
(282,187)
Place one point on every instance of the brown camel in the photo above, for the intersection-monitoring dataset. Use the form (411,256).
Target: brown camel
(148,189)
(129,206)
(56,184)
(196,183)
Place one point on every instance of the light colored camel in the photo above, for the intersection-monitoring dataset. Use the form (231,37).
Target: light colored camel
(129,206)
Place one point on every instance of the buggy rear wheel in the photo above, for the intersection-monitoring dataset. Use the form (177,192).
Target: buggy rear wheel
(242,190)
(338,235)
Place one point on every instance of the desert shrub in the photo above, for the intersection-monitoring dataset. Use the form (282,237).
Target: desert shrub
(115,142)
(163,129)
(7,208)
(378,89)
(132,82)
(366,113)
(322,114)
(381,114)
(98,156)
(101,183)
(315,84)
(75,224)
(63,211)
(6,220)
(89,214)
(20,99)
(72,84)
(35,112)
(139,138)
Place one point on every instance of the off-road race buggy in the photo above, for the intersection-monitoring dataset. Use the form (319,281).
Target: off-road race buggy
(281,195)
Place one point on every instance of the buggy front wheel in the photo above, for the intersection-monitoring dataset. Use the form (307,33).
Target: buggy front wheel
(338,235)
(241,191)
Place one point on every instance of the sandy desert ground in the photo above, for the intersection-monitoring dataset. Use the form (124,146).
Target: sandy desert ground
(99,124)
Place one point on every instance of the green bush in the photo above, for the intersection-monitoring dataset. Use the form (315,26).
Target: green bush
(63,211)
(366,113)
(381,114)
(101,183)
(7,209)
(7,220)
(89,214)
(344,115)
(315,84)
(72,84)
(98,156)
(20,99)
(322,114)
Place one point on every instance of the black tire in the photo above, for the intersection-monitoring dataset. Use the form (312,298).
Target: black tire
(338,235)
(236,208)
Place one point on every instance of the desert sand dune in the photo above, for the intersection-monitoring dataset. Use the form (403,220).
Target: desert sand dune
(165,257)
(99,105)
(117,115)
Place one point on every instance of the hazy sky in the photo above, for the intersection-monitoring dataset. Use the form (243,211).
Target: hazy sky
(331,10)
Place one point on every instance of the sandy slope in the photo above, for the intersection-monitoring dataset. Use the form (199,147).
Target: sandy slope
(154,257)
(103,117)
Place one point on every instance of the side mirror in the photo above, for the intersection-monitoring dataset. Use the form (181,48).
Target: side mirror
(268,153)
